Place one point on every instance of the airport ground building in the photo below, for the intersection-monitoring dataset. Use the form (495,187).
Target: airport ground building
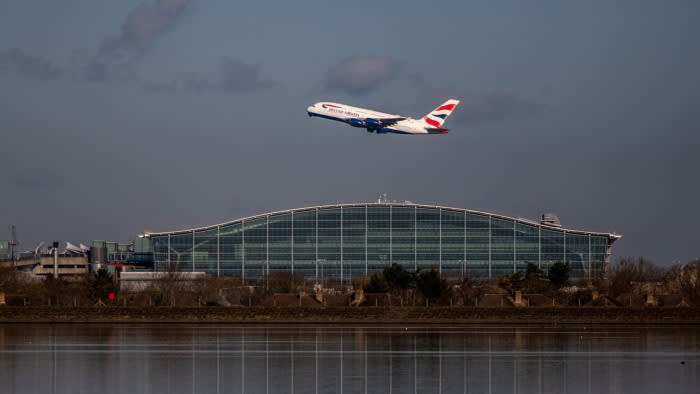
(345,241)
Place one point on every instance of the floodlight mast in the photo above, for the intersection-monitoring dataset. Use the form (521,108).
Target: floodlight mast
(13,242)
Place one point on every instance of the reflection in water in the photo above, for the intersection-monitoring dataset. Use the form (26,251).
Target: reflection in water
(178,358)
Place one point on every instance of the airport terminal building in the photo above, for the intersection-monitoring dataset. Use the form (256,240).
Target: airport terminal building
(345,241)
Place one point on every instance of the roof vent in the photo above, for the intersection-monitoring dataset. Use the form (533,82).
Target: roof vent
(550,219)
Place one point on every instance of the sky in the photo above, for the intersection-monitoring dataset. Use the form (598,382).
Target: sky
(119,117)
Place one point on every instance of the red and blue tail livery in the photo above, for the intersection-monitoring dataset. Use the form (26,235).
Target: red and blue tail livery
(437,117)
(380,122)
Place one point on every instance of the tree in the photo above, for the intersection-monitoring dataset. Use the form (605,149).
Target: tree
(559,273)
(469,290)
(628,271)
(170,286)
(511,282)
(24,285)
(535,281)
(283,281)
(686,281)
(533,271)
(100,285)
(431,284)
(55,289)
(376,284)
(397,277)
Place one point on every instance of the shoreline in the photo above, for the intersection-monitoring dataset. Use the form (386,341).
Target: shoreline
(350,315)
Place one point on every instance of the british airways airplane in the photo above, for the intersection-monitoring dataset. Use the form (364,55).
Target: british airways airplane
(380,122)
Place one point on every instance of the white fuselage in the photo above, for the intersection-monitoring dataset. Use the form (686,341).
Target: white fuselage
(373,121)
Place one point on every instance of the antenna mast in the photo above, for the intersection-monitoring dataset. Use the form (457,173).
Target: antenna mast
(13,242)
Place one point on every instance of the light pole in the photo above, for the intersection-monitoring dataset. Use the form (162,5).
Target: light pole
(319,262)
(323,284)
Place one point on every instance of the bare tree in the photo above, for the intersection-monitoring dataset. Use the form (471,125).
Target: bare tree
(170,287)
(216,291)
(685,280)
(629,271)
(20,285)
(284,281)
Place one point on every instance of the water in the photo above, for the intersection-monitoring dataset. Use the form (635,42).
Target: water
(277,358)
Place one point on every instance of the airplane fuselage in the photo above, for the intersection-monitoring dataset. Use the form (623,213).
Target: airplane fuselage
(373,121)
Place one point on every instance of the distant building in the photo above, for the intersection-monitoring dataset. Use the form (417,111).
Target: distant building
(5,250)
(67,266)
(69,262)
(346,241)
(105,254)
(140,281)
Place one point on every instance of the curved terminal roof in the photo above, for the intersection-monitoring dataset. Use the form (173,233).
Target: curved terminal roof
(611,236)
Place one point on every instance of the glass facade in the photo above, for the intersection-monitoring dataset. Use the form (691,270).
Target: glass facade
(343,242)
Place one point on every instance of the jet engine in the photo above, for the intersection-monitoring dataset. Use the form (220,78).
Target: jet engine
(356,122)
(373,123)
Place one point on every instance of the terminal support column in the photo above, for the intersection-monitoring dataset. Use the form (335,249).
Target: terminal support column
(243,251)
(366,227)
(415,239)
(218,251)
(341,245)
(515,250)
(440,233)
(490,246)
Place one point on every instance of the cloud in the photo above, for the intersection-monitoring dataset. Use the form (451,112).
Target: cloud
(361,75)
(117,57)
(195,83)
(16,61)
(238,77)
(169,88)
(144,24)
(235,77)
(478,107)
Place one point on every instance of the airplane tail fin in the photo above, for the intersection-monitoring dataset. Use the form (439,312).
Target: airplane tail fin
(436,117)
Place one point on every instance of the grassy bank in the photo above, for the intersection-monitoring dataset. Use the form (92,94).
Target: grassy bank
(409,315)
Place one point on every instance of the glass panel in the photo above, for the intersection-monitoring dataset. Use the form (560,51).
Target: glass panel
(577,255)
(452,244)
(329,244)
(403,237)
(527,249)
(552,248)
(428,238)
(206,251)
(502,247)
(378,253)
(181,252)
(304,245)
(477,234)
(598,255)
(231,240)
(255,252)
(353,242)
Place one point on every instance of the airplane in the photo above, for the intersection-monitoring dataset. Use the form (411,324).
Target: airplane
(380,123)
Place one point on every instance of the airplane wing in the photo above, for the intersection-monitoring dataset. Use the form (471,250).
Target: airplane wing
(390,121)
(381,122)
(436,130)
